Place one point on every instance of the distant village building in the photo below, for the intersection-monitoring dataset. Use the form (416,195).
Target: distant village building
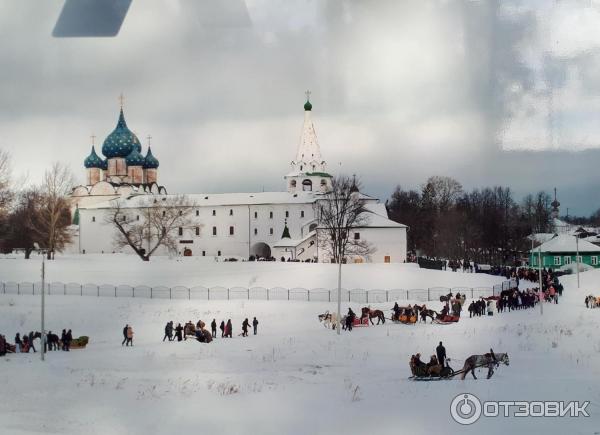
(561,251)
(261,224)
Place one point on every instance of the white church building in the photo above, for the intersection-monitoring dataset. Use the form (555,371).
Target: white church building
(240,225)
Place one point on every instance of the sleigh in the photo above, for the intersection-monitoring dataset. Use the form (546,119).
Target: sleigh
(79,343)
(446,319)
(405,319)
(432,373)
(362,321)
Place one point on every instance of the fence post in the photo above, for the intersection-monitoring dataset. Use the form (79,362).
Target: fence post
(308,293)
(472,293)
(98,288)
(406,294)
(387,295)
(208,294)
(267,294)
(349,296)
(329,293)
(189,294)
(18,288)
(170,293)
(81,289)
(228,294)
(115,291)
(133,292)
(248,293)
(64,289)
(150,292)
(367,292)
(428,294)
(288,294)
(4,287)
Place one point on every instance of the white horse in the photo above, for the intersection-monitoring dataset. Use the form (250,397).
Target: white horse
(330,320)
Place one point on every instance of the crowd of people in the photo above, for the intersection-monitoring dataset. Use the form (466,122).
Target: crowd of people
(25,343)
(180,333)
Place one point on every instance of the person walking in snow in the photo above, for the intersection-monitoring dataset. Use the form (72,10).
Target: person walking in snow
(129,341)
(63,339)
(69,337)
(245,325)
(213,328)
(124,335)
(222,328)
(228,329)
(441,354)
(168,331)
(255,325)
(179,332)
(31,341)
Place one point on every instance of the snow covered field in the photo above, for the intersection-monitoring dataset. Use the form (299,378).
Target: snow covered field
(193,271)
(295,377)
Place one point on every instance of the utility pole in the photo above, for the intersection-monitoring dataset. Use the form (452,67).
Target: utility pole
(540,275)
(577,256)
(43,338)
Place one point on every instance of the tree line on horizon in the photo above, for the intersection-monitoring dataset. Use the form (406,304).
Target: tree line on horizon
(486,224)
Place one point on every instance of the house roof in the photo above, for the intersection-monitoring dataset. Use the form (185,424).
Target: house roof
(566,243)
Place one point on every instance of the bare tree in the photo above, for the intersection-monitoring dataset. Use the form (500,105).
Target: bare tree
(6,193)
(155,222)
(339,213)
(50,223)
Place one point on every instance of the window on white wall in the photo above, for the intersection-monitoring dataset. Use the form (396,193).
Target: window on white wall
(214,231)
(594,260)
(231,231)
(214,212)
(255,231)
(301,213)
(271,231)
(230,212)
(557,261)
(93,218)
(270,215)
(567,260)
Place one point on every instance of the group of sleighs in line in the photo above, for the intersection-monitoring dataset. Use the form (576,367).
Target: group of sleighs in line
(438,366)
(26,342)
(592,301)
(200,333)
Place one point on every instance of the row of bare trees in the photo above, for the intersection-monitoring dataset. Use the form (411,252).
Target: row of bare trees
(485,225)
(33,215)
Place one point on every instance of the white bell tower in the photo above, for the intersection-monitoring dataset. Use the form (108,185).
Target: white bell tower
(308,169)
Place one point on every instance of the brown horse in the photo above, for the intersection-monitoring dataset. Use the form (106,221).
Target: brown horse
(368,312)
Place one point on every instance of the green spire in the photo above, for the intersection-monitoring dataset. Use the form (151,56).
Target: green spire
(307,105)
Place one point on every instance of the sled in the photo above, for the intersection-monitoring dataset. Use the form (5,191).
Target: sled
(406,320)
(364,321)
(420,374)
(446,320)
(79,343)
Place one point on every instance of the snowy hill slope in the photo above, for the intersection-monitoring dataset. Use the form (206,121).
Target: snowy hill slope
(295,377)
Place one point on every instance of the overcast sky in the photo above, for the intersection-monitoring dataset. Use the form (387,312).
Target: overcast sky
(487,92)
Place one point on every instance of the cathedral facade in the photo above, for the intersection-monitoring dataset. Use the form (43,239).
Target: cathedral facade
(241,225)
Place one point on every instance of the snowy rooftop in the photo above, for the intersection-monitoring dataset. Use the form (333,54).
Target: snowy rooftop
(216,199)
(567,243)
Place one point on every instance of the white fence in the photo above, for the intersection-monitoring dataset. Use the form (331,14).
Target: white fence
(252,293)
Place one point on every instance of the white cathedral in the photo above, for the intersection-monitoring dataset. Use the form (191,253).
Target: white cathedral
(240,225)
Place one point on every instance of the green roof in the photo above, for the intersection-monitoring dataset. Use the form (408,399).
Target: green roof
(318,174)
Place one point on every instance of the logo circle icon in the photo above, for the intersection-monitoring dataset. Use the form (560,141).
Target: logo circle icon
(465,409)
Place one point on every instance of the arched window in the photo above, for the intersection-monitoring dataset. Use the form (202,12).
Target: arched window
(312,227)
(293,184)
(307,185)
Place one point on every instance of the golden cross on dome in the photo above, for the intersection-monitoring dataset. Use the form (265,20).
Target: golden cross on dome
(149,139)
(307,93)
(121,99)
(93,140)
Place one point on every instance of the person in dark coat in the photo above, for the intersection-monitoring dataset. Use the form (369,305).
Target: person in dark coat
(245,325)
(69,338)
(31,341)
(18,342)
(63,338)
(222,328)
(228,329)
(213,328)
(124,335)
(441,354)
(2,345)
(179,332)
(168,331)
(255,325)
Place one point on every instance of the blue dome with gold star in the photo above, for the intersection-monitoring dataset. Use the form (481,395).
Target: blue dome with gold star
(150,162)
(93,161)
(121,141)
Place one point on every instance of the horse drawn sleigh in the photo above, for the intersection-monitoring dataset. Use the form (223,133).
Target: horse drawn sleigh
(435,370)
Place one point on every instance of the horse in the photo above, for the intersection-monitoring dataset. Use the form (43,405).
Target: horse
(425,312)
(488,359)
(52,341)
(368,312)
(329,320)
(446,298)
